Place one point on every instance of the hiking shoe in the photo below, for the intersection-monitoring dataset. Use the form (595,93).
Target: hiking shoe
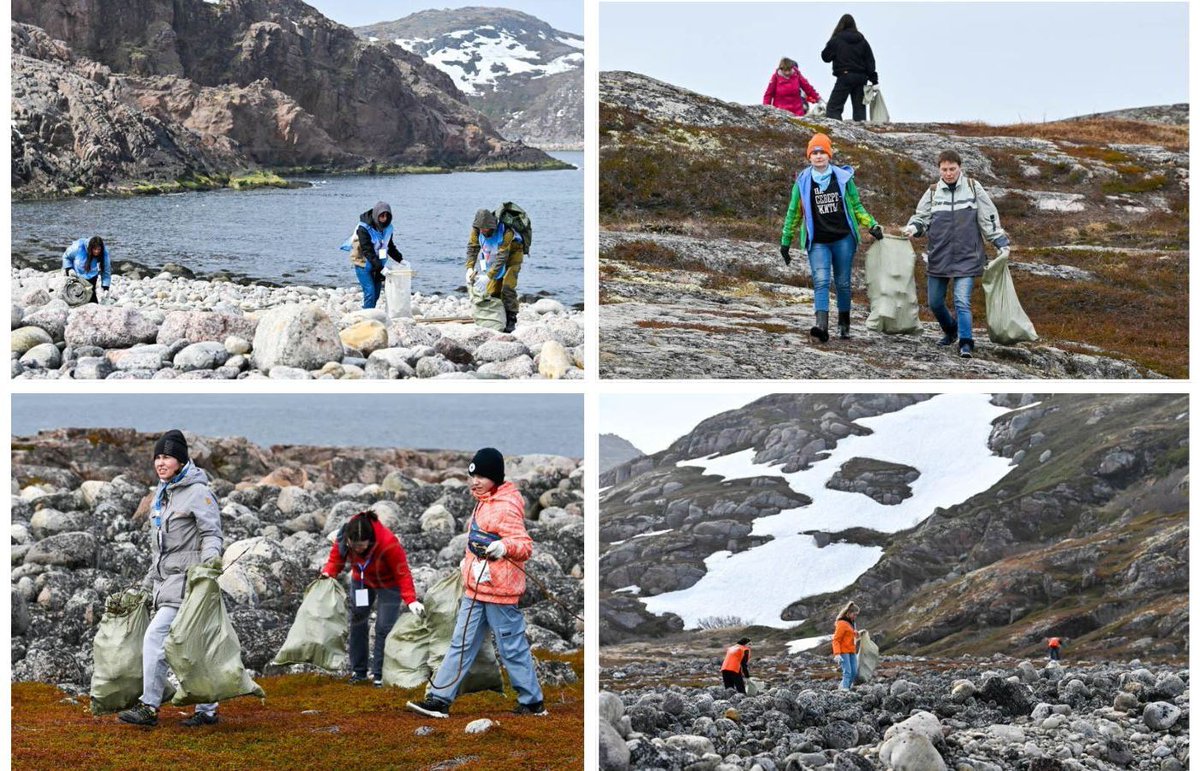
(201,718)
(378,682)
(948,338)
(358,680)
(966,348)
(537,708)
(431,707)
(141,714)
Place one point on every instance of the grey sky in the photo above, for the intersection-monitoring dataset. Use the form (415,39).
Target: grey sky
(653,421)
(995,62)
(563,15)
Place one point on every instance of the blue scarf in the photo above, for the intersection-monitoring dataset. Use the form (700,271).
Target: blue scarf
(822,180)
(160,495)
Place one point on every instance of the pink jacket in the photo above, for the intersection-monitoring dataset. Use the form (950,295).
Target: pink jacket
(785,93)
(502,512)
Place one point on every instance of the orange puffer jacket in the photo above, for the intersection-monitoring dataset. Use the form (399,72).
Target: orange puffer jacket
(502,512)
(844,640)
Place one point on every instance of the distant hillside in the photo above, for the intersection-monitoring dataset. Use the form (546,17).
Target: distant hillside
(526,76)
(615,450)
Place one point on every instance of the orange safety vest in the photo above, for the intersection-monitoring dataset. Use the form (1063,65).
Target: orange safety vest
(734,656)
(1054,642)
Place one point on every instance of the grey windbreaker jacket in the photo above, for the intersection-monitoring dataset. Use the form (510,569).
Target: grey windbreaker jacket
(190,533)
(957,222)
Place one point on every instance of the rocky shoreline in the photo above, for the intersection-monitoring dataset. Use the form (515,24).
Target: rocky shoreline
(167,326)
(967,714)
(79,530)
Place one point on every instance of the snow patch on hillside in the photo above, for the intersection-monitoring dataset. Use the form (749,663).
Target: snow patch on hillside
(479,62)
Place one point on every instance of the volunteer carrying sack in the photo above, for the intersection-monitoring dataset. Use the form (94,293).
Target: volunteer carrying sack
(868,658)
(318,635)
(891,287)
(117,653)
(1006,320)
(513,216)
(416,646)
(203,649)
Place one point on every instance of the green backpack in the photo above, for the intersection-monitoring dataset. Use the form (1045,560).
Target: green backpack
(513,216)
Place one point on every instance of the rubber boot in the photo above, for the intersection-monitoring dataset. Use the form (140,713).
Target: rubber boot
(844,324)
(510,321)
(820,330)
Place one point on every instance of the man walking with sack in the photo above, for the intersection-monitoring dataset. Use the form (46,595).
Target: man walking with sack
(185,530)
(957,214)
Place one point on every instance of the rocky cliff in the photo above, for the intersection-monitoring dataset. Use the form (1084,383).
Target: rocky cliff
(273,83)
(526,76)
(80,499)
(693,193)
(615,450)
(1084,538)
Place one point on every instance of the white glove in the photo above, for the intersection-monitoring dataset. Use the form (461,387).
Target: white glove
(102,295)
(1004,251)
(417,608)
(495,550)
(908,230)
(470,276)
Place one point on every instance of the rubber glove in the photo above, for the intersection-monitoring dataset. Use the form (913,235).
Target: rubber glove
(785,250)
(1004,252)
(470,277)
(68,271)
(909,230)
(876,233)
(213,564)
(495,550)
(417,608)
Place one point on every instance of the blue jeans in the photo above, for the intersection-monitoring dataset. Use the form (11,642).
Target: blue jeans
(962,303)
(509,625)
(372,284)
(838,255)
(849,669)
(385,618)
(154,660)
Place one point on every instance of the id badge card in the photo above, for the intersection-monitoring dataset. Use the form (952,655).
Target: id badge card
(481,572)
(361,599)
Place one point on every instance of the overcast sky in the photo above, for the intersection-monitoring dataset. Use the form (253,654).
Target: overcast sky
(997,62)
(563,15)
(653,421)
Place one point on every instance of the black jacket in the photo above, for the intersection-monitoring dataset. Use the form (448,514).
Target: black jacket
(851,55)
(367,249)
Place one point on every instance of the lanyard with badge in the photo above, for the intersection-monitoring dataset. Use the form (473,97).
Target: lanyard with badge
(361,596)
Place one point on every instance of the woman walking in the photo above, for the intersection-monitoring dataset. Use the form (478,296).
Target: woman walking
(845,644)
(789,90)
(853,66)
(828,198)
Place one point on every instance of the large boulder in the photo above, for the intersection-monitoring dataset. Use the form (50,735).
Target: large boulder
(209,354)
(553,361)
(108,326)
(200,326)
(76,549)
(51,317)
(44,356)
(26,338)
(301,336)
(366,336)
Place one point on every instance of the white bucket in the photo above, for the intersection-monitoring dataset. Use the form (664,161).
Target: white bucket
(397,291)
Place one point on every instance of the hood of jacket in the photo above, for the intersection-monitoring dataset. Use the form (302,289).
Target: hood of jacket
(368,218)
(506,493)
(192,475)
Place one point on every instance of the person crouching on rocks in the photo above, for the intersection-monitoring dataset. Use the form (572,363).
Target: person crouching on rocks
(379,574)
(827,198)
(845,644)
(88,259)
(370,245)
(789,90)
(736,667)
(957,214)
(494,257)
(185,530)
(493,570)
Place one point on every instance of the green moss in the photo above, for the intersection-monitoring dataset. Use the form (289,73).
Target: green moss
(1138,185)
(256,179)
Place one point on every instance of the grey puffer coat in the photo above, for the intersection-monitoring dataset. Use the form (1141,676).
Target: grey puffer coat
(188,533)
(957,220)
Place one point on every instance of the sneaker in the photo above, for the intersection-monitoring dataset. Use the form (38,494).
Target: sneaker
(358,680)
(201,718)
(948,339)
(142,714)
(378,682)
(537,708)
(966,348)
(431,707)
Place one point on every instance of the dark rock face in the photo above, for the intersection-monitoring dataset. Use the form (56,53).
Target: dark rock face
(887,483)
(278,505)
(275,83)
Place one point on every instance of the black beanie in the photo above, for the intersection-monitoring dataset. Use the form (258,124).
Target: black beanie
(172,443)
(489,463)
(744,641)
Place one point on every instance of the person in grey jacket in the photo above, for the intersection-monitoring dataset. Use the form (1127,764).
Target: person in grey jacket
(185,530)
(957,214)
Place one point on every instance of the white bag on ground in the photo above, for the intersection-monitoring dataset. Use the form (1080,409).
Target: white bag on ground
(892,287)
(1006,320)
(754,686)
(416,646)
(397,290)
(318,635)
(203,649)
(117,653)
(868,658)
